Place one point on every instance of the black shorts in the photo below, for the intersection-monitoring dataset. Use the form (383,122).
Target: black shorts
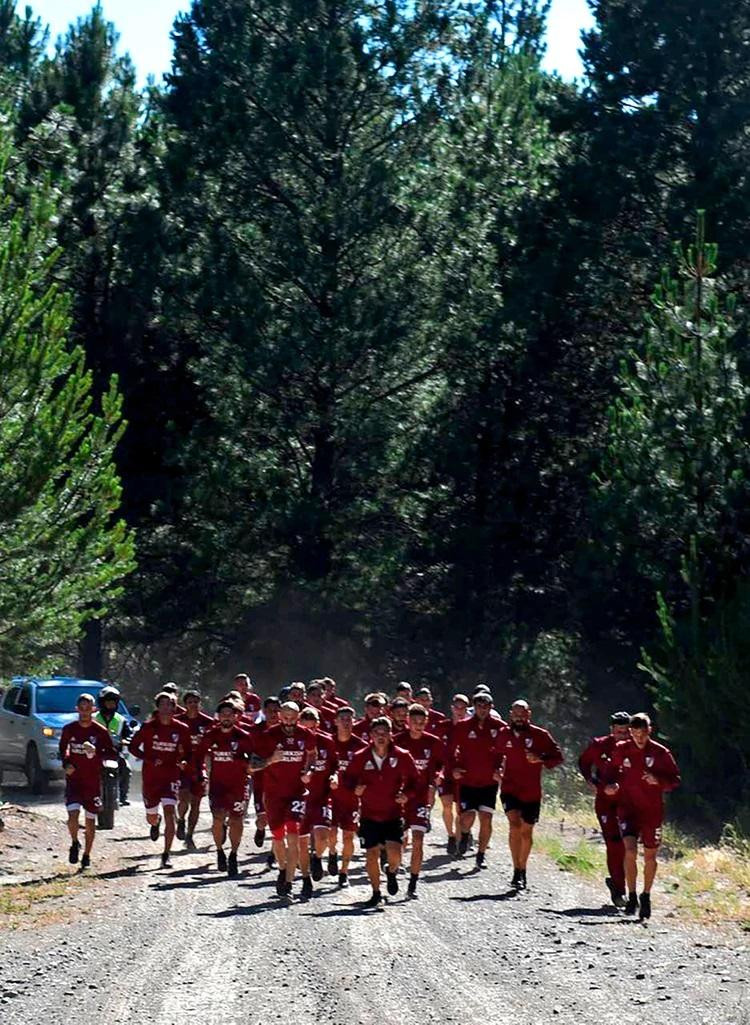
(529,809)
(373,834)
(477,798)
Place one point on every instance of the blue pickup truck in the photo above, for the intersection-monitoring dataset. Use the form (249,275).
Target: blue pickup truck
(33,711)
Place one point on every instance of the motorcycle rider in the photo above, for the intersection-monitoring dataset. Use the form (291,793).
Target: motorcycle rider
(120,732)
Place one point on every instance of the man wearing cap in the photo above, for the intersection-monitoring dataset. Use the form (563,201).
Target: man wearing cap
(639,773)
(593,764)
(84,745)
(384,777)
(526,750)
(473,761)
(447,785)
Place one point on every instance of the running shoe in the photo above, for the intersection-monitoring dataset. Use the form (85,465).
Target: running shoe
(85,861)
(307,888)
(645,906)
(221,860)
(452,847)
(316,868)
(617,896)
(343,880)
(375,900)
(411,889)
(333,864)
(391,883)
(523,884)
(154,831)
(463,844)
(75,848)
(190,843)
(260,837)
(516,880)
(180,833)
(480,860)
(281,883)
(165,861)
(232,869)
(632,905)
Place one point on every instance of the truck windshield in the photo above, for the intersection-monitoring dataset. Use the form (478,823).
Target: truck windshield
(57,699)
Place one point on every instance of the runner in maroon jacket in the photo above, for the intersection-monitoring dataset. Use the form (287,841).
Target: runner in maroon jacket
(316,821)
(314,700)
(428,753)
(228,749)
(250,699)
(271,713)
(423,697)
(193,782)
(593,763)
(525,750)
(344,803)
(329,687)
(447,785)
(473,761)
(288,750)
(374,708)
(384,777)
(398,713)
(639,773)
(84,745)
(165,746)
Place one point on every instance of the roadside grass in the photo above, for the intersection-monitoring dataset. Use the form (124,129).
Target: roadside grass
(26,897)
(707,883)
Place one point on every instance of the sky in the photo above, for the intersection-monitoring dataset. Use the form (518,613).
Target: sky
(144,27)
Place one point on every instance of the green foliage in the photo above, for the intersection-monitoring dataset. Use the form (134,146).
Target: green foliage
(61,554)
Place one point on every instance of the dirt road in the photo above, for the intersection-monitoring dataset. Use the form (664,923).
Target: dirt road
(188,945)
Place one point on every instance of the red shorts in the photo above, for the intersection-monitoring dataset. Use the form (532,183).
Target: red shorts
(345,813)
(317,816)
(417,815)
(284,814)
(192,783)
(159,790)
(83,796)
(230,801)
(606,812)
(642,823)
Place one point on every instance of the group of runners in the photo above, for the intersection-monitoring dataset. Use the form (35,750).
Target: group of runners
(320,776)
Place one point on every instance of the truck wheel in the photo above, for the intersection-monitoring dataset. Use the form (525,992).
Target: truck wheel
(37,777)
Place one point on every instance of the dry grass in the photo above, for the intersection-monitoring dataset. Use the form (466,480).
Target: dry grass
(709,884)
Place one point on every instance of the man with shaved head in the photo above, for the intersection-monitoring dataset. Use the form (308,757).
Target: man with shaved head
(525,750)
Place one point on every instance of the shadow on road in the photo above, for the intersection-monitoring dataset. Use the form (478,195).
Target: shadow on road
(470,898)
(342,911)
(602,912)
(243,910)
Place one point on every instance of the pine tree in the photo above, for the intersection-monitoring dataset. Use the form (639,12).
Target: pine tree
(673,495)
(304,278)
(62,555)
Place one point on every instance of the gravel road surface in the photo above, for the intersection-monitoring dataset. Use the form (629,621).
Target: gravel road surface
(189,945)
